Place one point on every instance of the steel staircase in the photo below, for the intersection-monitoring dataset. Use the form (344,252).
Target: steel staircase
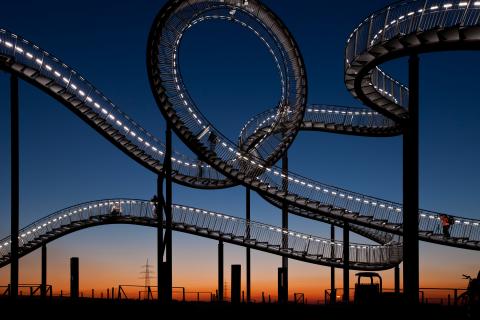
(202,223)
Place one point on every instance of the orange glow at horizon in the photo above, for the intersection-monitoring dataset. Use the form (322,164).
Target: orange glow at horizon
(113,263)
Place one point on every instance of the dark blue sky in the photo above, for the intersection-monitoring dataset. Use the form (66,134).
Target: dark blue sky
(232,77)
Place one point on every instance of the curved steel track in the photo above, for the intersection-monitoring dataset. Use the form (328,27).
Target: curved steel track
(403,28)
(206,224)
(248,162)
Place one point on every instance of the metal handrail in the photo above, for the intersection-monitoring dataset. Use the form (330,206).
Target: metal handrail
(320,115)
(250,167)
(306,194)
(207,223)
(403,18)
(22,51)
(18,48)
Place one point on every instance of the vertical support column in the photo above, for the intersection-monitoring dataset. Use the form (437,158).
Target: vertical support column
(15,184)
(333,293)
(43,286)
(160,243)
(346,260)
(282,285)
(247,213)
(220,271)
(284,297)
(410,187)
(168,214)
(74,277)
(397,279)
(236,287)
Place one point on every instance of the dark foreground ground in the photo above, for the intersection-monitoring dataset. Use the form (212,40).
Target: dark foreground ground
(93,309)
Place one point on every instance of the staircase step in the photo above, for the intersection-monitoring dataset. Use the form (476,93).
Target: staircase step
(460,239)
(474,242)
(470,33)
(429,36)
(450,34)
(337,210)
(425,233)
(365,218)
(380,221)
(274,246)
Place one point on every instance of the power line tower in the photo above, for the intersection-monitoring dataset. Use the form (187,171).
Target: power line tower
(146,275)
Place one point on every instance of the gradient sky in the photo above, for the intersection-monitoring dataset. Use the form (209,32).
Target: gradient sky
(231,77)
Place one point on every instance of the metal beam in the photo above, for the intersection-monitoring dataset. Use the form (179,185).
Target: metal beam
(248,257)
(15,185)
(333,294)
(43,287)
(346,265)
(284,298)
(410,187)
(168,213)
(236,283)
(160,243)
(282,278)
(74,277)
(397,279)
(220,270)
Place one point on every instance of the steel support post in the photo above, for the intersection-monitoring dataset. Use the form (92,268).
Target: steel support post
(168,214)
(220,271)
(74,277)
(410,187)
(43,286)
(15,185)
(284,298)
(236,283)
(333,293)
(346,264)
(248,257)
(160,243)
(397,279)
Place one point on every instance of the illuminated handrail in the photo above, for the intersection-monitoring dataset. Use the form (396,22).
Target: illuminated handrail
(210,224)
(347,116)
(48,65)
(297,184)
(318,115)
(250,167)
(246,167)
(387,212)
(78,91)
(400,19)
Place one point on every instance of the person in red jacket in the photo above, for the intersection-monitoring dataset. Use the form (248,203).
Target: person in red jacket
(446,223)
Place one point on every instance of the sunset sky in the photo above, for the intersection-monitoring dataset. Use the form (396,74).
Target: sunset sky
(231,77)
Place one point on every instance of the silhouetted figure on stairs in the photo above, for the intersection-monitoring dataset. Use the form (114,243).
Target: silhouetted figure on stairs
(156,205)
